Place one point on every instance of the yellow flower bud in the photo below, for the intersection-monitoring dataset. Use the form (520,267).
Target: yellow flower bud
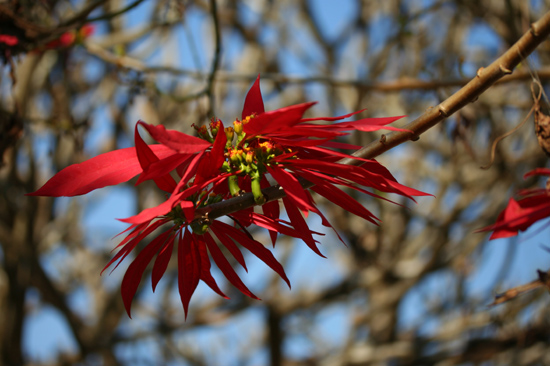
(229,133)
(249,157)
(238,126)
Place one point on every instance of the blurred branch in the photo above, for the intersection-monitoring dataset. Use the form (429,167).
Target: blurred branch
(115,13)
(542,281)
(275,337)
(209,90)
(404,83)
(80,17)
(469,93)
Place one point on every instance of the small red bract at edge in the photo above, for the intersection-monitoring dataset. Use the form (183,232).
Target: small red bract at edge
(224,162)
(519,215)
(8,40)
(71,38)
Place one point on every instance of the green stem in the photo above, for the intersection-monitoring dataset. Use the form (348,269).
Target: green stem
(234,188)
(257,190)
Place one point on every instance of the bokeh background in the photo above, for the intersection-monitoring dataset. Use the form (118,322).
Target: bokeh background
(413,291)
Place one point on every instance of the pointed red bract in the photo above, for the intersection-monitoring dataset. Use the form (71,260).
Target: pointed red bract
(104,170)
(280,226)
(213,160)
(146,157)
(225,267)
(324,220)
(340,198)
(175,140)
(136,229)
(161,263)
(277,120)
(253,103)
(271,210)
(340,145)
(252,246)
(128,247)
(292,188)
(163,167)
(189,268)
(300,224)
(229,245)
(132,277)
(206,276)
(519,215)
(150,213)
(332,119)
(365,125)
(537,171)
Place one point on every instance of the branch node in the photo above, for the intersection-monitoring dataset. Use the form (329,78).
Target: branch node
(505,70)
(543,276)
(534,29)
(479,71)
(415,138)
(383,139)
(443,111)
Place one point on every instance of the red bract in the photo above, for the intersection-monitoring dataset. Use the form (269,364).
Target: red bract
(122,165)
(70,38)
(193,259)
(534,205)
(104,170)
(9,40)
(279,145)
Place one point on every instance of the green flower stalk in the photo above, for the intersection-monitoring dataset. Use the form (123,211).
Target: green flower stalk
(259,197)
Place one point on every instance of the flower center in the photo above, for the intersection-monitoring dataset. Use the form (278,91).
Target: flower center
(244,157)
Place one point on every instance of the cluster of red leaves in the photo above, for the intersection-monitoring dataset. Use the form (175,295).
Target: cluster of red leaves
(66,40)
(302,149)
(532,206)
(71,38)
(9,40)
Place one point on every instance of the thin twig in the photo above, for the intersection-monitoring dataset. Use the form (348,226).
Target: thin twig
(209,90)
(115,13)
(536,101)
(80,17)
(542,281)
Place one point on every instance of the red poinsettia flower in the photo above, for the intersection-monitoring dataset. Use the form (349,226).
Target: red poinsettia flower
(534,205)
(279,145)
(187,155)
